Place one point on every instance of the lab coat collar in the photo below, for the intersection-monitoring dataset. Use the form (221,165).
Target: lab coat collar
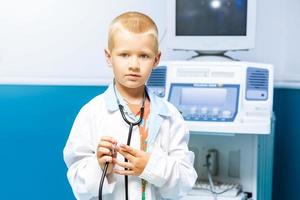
(156,104)
(110,99)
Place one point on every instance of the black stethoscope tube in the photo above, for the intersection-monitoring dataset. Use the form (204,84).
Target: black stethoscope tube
(102,180)
(131,125)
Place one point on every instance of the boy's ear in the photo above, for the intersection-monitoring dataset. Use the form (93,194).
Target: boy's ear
(157,59)
(107,57)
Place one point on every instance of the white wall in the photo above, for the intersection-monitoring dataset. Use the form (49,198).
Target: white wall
(54,41)
(61,41)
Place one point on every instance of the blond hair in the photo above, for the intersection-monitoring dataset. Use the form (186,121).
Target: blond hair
(133,22)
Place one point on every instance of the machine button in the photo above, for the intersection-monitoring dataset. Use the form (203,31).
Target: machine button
(193,110)
(226,114)
(215,111)
(204,110)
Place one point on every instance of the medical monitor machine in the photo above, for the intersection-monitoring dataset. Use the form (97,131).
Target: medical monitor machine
(211,26)
(218,97)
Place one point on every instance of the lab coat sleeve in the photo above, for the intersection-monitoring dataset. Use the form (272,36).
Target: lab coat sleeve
(84,172)
(172,172)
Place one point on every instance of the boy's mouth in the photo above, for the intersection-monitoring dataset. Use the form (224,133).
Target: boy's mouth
(133,75)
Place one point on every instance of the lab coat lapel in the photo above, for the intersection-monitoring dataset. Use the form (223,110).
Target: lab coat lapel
(158,113)
(155,122)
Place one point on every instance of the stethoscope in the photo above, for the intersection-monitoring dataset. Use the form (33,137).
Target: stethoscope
(131,125)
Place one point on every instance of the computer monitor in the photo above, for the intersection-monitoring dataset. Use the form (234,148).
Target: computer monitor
(211,25)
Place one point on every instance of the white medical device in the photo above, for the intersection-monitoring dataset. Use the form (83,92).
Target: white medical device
(219,97)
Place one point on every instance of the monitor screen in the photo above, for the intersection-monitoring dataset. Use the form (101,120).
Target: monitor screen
(211,17)
(203,96)
(211,25)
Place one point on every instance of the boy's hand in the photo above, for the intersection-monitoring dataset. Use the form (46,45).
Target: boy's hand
(137,160)
(106,151)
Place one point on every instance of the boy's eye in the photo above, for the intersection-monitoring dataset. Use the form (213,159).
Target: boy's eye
(144,56)
(125,55)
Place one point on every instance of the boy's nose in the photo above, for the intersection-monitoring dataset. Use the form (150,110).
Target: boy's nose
(134,64)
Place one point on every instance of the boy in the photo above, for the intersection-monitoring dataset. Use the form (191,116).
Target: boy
(159,163)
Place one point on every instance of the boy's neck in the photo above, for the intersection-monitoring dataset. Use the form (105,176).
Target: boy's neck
(132,95)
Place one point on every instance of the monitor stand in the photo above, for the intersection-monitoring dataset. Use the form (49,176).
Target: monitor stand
(211,56)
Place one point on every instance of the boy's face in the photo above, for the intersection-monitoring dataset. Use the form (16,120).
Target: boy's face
(132,57)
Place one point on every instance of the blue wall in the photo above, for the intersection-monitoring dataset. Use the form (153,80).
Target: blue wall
(286,172)
(34,125)
(35,122)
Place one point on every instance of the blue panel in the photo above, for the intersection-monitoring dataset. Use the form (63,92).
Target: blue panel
(257,84)
(157,81)
(34,125)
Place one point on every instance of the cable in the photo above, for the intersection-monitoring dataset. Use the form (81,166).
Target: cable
(211,183)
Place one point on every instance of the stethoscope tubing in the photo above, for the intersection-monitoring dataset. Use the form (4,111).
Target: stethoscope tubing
(131,125)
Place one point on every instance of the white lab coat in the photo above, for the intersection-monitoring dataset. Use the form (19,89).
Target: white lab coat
(169,171)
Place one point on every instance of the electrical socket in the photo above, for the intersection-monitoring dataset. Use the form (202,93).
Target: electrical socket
(213,161)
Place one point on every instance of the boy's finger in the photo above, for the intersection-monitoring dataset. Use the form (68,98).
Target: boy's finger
(102,151)
(126,165)
(105,159)
(123,172)
(106,144)
(128,149)
(109,139)
(126,155)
